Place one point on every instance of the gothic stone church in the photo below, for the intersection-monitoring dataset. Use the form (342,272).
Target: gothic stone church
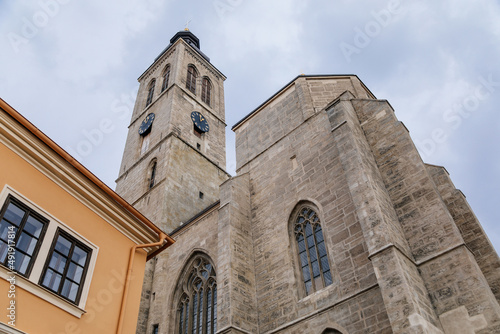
(333,223)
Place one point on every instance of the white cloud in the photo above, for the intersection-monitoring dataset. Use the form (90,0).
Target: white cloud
(427,59)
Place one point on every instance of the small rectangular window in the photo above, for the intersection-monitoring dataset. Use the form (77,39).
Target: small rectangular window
(155,329)
(201,195)
(66,267)
(21,234)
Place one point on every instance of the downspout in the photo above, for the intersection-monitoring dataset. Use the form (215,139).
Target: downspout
(163,237)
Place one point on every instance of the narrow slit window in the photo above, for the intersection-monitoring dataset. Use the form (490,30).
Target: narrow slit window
(153,175)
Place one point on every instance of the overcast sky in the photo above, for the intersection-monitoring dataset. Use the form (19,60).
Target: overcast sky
(71,68)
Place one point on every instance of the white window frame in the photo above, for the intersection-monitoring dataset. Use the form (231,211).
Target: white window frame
(5,329)
(30,283)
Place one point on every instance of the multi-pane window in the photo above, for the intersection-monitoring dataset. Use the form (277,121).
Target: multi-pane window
(21,233)
(151,91)
(315,268)
(66,266)
(197,308)
(166,75)
(192,74)
(206,87)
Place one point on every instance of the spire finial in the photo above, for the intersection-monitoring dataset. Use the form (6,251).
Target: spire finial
(187,26)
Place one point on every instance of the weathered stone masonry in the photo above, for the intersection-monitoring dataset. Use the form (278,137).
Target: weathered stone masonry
(406,253)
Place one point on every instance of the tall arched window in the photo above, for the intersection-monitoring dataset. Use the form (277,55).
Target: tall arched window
(197,306)
(166,75)
(151,91)
(206,88)
(313,258)
(192,74)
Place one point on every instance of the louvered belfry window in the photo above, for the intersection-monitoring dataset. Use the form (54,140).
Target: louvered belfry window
(151,92)
(206,88)
(166,75)
(191,79)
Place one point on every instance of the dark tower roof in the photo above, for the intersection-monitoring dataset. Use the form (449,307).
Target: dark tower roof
(189,38)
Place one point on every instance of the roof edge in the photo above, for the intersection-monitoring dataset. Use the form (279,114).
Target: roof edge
(158,58)
(82,169)
(241,121)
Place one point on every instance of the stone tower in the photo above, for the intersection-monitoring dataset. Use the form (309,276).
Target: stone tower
(171,169)
(175,156)
(333,223)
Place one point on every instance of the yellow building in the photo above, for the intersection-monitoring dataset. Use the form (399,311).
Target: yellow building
(72,252)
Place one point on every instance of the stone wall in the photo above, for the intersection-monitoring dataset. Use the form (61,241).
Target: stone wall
(201,236)
(299,163)
(470,228)
(404,249)
(287,110)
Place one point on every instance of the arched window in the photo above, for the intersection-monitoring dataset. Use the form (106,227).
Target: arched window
(166,74)
(192,74)
(206,88)
(151,91)
(312,255)
(152,174)
(331,331)
(197,306)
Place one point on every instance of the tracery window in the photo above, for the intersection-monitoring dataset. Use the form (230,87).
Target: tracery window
(313,258)
(197,307)
(192,74)
(166,75)
(206,88)
(151,91)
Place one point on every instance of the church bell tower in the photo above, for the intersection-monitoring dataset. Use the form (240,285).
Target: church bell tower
(174,158)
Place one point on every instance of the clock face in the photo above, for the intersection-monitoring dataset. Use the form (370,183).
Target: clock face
(199,121)
(145,127)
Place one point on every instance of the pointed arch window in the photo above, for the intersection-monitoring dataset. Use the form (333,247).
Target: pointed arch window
(312,254)
(192,74)
(197,306)
(206,88)
(151,91)
(166,75)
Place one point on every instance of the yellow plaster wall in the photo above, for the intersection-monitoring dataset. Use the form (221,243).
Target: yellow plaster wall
(35,315)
